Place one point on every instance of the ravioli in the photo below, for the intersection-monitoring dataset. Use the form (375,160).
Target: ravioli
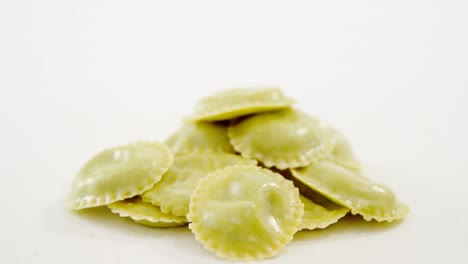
(318,216)
(319,212)
(173,192)
(349,188)
(342,153)
(282,139)
(119,173)
(203,135)
(233,103)
(207,176)
(145,213)
(245,212)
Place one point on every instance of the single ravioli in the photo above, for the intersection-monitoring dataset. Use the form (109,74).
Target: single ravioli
(319,212)
(119,173)
(349,188)
(145,213)
(203,135)
(282,139)
(173,192)
(234,103)
(343,152)
(318,216)
(245,212)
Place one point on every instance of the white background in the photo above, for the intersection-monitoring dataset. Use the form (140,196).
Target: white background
(80,76)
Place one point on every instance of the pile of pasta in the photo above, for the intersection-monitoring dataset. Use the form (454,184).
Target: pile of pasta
(245,171)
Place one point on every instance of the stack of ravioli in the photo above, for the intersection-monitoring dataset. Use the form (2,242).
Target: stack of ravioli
(246,171)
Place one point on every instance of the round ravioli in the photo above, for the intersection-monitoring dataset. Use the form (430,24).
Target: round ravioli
(318,216)
(245,212)
(319,212)
(119,173)
(343,152)
(145,213)
(203,135)
(282,139)
(349,188)
(173,192)
(234,103)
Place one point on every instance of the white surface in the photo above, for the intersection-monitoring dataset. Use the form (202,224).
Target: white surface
(80,76)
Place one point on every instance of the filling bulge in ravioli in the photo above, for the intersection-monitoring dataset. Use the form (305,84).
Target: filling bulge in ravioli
(245,212)
(282,139)
(349,188)
(119,173)
(198,136)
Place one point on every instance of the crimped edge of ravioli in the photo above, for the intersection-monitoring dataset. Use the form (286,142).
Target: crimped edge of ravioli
(379,215)
(331,217)
(187,150)
(293,160)
(237,111)
(181,209)
(243,109)
(268,251)
(78,203)
(125,209)
(149,199)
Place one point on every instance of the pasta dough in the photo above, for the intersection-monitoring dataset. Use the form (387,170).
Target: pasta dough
(318,216)
(145,213)
(245,212)
(173,192)
(207,176)
(230,104)
(119,173)
(342,152)
(350,189)
(198,136)
(282,139)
